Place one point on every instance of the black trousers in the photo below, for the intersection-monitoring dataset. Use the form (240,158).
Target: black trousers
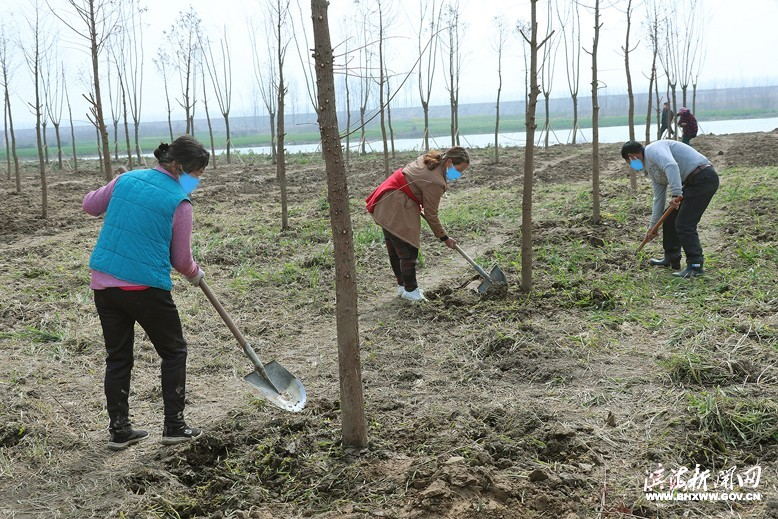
(403,257)
(157,314)
(679,230)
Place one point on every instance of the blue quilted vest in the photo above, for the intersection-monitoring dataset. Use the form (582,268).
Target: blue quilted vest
(134,243)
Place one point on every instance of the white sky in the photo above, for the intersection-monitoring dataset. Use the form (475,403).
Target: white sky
(739,39)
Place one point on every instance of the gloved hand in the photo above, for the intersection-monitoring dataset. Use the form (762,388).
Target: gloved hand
(195,280)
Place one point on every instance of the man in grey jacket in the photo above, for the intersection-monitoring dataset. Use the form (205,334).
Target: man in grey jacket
(692,182)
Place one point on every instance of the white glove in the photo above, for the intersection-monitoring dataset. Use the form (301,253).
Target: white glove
(195,280)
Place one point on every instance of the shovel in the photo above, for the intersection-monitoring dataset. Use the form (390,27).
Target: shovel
(655,227)
(495,277)
(273,381)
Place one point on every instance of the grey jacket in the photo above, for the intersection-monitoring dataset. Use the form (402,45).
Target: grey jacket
(668,163)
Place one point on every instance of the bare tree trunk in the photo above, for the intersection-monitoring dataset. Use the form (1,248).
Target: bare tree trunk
(208,120)
(34,58)
(694,98)
(273,138)
(545,122)
(675,111)
(529,151)
(500,45)
(630,95)
(39,140)
(648,113)
(222,85)
(72,129)
(354,423)
(658,109)
(99,146)
(381,79)
(17,171)
(281,153)
(116,140)
(595,120)
(162,66)
(633,179)
(126,124)
(59,145)
(426,108)
(98,103)
(348,112)
(7,144)
(45,142)
(389,115)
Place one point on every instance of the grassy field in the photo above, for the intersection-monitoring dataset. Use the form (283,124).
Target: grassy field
(553,403)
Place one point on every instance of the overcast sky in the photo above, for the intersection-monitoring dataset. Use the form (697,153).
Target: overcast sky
(739,39)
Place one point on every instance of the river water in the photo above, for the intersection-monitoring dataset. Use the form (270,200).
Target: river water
(608,134)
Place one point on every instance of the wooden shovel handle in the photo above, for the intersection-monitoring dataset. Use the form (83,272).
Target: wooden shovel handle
(223,313)
(655,228)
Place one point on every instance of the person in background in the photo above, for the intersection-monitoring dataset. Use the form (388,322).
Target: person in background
(396,206)
(688,124)
(666,120)
(692,181)
(147,230)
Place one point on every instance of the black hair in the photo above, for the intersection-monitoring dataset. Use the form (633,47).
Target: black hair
(186,150)
(631,148)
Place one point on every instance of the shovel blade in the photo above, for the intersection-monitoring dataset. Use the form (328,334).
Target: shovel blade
(484,287)
(498,276)
(291,394)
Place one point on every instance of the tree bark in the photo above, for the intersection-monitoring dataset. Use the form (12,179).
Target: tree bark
(630,95)
(595,121)
(575,117)
(280,153)
(17,171)
(208,120)
(59,146)
(381,79)
(126,125)
(72,130)
(98,106)
(529,154)
(497,108)
(39,140)
(7,144)
(648,113)
(45,142)
(354,423)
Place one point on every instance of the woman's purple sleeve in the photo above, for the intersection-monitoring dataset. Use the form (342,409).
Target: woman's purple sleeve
(96,202)
(181,244)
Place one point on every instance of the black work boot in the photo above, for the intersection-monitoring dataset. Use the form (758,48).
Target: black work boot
(691,271)
(123,435)
(179,433)
(674,263)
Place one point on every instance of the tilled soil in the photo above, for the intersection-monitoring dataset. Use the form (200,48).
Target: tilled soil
(507,406)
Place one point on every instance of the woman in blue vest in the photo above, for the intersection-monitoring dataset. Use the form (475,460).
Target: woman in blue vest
(147,231)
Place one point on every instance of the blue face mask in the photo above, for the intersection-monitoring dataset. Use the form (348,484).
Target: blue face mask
(636,164)
(188,182)
(452,173)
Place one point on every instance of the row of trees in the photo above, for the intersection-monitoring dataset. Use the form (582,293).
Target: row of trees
(197,72)
(538,78)
(195,69)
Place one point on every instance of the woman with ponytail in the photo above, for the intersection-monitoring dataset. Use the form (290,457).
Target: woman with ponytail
(147,231)
(396,206)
